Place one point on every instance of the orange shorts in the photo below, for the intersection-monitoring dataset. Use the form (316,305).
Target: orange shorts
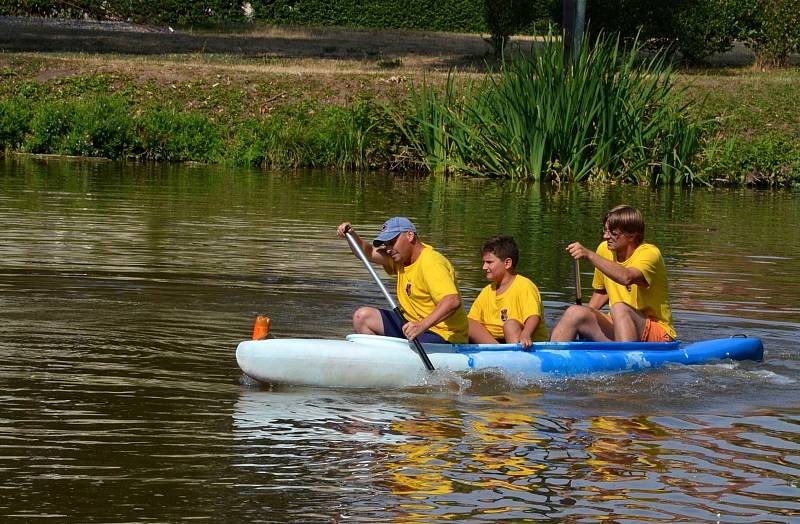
(654,332)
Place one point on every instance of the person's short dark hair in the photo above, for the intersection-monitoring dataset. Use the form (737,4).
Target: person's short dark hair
(503,247)
(626,219)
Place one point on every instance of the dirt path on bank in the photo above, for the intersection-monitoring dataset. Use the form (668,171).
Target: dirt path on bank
(321,48)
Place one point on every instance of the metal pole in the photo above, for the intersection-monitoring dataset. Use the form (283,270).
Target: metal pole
(580,23)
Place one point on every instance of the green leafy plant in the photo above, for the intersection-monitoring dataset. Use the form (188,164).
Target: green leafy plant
(608,113)
(15,115)
(50,125)
(100,127)
(172,136)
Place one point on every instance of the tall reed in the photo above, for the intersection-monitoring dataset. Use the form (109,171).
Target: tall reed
(606,113)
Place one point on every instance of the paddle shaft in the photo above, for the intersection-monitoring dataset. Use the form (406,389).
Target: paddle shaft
(395,307)
(578,291)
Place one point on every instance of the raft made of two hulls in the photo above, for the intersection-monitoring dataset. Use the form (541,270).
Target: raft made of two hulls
(379,362)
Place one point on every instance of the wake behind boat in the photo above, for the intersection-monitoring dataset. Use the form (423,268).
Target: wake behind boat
(369,361)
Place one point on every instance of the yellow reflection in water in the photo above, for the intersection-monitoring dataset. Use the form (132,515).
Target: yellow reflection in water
(494,455)
(616,450)
(416,466)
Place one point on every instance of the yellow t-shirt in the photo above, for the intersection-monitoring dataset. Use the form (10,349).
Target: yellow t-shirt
(520,301)
(422,285)
(653,301)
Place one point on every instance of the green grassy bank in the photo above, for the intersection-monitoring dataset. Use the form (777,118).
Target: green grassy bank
(222,110)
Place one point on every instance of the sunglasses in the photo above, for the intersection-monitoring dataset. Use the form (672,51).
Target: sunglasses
(389,245)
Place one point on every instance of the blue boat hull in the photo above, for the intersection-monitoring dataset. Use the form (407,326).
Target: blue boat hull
(577,358)
(372,361)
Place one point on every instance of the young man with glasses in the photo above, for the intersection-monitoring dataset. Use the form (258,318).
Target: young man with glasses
(629,276)
(426,287)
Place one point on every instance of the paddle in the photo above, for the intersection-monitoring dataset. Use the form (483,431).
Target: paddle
(396,308)
(578,292)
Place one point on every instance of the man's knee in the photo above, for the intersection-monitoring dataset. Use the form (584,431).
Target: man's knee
(622,310)
(360,314)
(365,316)
(577,313)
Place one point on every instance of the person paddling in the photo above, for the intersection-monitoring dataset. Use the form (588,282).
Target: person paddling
(426,287)
(510,308)
(629,276)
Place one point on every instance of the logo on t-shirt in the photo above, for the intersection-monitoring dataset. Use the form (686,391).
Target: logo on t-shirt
(408,289)
(503,315)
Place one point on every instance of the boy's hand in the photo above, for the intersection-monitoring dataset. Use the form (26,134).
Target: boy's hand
(525,341)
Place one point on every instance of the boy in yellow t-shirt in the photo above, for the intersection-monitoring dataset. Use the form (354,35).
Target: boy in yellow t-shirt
(510,308)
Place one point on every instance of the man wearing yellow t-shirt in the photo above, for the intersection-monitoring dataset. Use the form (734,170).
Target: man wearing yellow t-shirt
(510,308)
(426,287)
(629,276)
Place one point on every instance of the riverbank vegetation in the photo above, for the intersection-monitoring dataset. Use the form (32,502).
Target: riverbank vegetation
(355,110)
(605,113)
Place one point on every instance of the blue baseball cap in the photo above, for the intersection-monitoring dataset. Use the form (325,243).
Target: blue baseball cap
(393,227)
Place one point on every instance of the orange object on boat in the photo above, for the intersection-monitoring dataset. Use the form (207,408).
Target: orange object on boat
(261,327)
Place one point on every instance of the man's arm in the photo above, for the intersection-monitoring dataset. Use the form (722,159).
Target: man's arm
(627,276)
(446,307)
(373,254)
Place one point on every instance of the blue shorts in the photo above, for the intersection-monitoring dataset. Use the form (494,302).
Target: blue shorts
(392,327)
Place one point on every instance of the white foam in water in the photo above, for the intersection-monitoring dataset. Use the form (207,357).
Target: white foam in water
(446,380)
(773,378)
(763,375)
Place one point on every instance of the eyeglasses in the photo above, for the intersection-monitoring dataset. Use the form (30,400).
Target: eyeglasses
(613,234)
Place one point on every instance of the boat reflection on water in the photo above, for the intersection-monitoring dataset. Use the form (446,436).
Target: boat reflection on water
(316,415)
(438,456)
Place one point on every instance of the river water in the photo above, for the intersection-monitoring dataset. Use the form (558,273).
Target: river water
(124,291)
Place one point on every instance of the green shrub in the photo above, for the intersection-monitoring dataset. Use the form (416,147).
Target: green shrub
(15,116)
(771,160)
(505,18)
(50,125)
(342,137)
(101,127)
(704,27)
(696,28)
(442,15)
(38,8)
(771,28)
(181,12)
(629,18)
(170,136)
